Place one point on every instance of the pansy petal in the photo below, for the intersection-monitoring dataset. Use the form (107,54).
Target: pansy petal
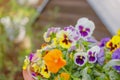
(101,57)
(73,34)
(92,54)
(116,55)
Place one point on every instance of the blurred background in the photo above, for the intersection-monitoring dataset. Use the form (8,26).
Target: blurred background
(23,22)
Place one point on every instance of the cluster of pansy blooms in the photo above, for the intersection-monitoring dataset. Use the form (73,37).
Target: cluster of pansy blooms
(72,53)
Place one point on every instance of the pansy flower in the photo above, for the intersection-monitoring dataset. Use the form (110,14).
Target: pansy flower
(92,54)
(27,61)
(85,27)
(80,58)
(47,35)
(116,55)
(73,34)
(114,43)
(32,65)
(44,71)
(63,39)
(63,76)
(54,61)
(39,69)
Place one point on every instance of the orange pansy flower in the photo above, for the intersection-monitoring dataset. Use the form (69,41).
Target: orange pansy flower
(65,76)
(54,61)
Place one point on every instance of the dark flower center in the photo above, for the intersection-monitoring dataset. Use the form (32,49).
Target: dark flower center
(112,46)
(80,60)
(83,31)
(66,40)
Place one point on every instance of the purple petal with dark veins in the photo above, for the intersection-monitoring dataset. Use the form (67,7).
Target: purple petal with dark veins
(83,33)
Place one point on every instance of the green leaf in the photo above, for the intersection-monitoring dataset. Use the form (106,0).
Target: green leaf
(102,77)
(76,74)
(76,79)
(113,75)
(96,73)
(111,63)
(85,76)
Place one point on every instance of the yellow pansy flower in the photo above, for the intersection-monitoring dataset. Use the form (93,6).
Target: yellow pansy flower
(114,43)
(44,72)
(36,68)
(115,39)
(64,40)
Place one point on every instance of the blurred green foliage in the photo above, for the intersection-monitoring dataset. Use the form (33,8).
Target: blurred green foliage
(11,56)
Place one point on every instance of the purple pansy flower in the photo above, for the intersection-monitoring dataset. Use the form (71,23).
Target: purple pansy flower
(80,58)
(116,55)
(85,27)
(73,34)
(104,41)
(92,54)
(92,57)
(101,56)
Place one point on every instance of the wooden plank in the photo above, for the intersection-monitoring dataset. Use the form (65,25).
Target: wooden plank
(68,15)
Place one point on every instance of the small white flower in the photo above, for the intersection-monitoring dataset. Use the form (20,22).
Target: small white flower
(85,27)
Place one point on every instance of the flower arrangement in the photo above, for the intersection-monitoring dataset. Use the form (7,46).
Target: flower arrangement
(73,54)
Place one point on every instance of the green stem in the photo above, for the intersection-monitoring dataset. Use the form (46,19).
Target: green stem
(65,70)
(68,73)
